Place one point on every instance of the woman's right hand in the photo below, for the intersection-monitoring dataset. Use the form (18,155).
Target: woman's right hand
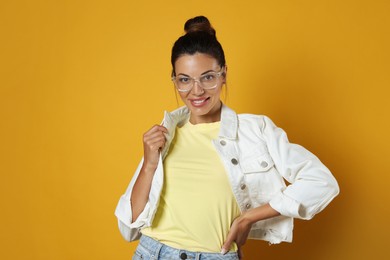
(154,141)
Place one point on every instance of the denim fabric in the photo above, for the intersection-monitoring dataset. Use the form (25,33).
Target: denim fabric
(150,249)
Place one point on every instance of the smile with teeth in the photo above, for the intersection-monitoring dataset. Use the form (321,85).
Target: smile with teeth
(199,102)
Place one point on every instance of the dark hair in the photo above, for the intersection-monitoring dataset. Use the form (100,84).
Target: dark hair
(200,37)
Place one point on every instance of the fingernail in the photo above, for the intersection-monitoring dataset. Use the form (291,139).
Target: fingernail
(223,251)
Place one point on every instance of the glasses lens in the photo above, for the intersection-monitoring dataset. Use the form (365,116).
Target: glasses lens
(209,80)
(183,83)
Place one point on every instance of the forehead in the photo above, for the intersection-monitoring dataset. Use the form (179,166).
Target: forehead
(195,64)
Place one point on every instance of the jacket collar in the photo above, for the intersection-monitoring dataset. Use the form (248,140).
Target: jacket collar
(229,123)
(180,116)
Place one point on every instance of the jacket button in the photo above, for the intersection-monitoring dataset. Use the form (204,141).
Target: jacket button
(222,142)
(248,206)
(264,164)
(243,186)
(234,161)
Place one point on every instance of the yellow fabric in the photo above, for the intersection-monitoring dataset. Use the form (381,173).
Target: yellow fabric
(197,205)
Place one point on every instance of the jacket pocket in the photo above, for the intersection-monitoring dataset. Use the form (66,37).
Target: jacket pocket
(261,177)
(257,163)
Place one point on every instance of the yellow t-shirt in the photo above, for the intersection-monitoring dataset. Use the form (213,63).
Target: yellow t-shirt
(197,205)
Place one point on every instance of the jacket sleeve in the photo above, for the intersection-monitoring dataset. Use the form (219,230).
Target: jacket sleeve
(131,230)
(312,186)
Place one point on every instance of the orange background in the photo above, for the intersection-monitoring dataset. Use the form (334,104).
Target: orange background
(82,80)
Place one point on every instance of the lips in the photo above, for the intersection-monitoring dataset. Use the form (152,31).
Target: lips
(199,102)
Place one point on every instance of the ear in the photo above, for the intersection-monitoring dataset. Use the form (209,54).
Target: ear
(225,74)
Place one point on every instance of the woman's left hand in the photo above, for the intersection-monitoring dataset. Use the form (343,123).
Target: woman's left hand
(238,233)
(241,226)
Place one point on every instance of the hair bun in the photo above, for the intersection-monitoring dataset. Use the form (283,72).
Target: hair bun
(199,24)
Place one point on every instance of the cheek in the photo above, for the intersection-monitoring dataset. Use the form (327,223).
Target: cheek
(217,93)
(182,95)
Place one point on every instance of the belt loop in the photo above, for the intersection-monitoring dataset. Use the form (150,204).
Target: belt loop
(157,252)
(197,257)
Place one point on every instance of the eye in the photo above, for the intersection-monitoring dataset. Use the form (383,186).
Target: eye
(208,77)
(184,80)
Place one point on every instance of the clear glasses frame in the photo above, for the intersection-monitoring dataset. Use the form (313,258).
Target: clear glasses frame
(189,82)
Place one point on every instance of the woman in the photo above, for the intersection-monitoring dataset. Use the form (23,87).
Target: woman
(210,178)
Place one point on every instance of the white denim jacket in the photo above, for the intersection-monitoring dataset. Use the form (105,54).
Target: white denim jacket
(257,157)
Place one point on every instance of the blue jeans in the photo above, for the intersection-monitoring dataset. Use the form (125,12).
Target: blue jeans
(150,249)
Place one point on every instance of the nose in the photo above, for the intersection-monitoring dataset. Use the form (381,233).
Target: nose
(197,89)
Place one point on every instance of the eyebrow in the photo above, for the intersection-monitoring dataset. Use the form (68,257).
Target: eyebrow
(182,74)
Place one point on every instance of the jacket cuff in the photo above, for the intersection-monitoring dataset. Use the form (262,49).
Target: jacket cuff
(286,206)
(142,219)
(123,211)
(124,214)
(130,231)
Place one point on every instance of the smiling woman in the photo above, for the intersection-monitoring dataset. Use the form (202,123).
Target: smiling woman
(210,178)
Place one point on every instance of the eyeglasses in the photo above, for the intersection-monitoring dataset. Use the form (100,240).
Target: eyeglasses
(206,81)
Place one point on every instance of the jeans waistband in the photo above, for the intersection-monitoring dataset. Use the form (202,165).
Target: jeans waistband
(149,248)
